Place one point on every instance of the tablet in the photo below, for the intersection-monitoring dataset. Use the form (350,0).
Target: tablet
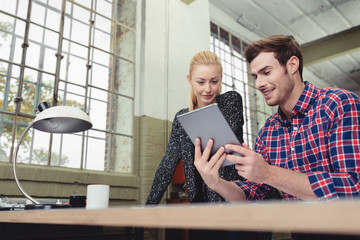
(206,123)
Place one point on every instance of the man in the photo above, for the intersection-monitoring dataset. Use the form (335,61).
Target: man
(309,149)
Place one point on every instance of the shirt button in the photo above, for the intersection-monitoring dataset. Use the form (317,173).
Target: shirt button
(295,128)
(292,149)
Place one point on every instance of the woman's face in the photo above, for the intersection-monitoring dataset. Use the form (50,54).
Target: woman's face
(206,82)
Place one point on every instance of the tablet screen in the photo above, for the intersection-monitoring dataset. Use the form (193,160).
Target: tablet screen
(206,123)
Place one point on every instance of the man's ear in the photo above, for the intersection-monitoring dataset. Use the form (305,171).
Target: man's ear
(293,65)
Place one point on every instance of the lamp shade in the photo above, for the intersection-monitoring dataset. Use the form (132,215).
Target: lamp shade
(62,119)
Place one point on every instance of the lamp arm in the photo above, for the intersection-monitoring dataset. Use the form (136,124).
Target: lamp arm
(14,165)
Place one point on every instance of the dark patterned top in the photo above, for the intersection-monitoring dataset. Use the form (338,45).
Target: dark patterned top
(181,147)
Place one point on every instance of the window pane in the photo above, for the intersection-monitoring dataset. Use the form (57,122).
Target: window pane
(104,7)
(70,95)
(100,75)
(9,7)
(53,18)
(3,83)
(98,109)
(49,60)
(5,139)
(76,71)
(20,27)
(39,17)
(67,150)
(55,4)
(51,39)
(79,32)
(25,153)
(76,25)
(96,152)
(85,3)
(6,28)
(47,89)
(102,39)
(33,55)
(18,50)
(75,49)
(35,33)
(40,153)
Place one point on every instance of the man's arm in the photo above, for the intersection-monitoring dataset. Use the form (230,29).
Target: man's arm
(291,182)
(342,179)
(253,167)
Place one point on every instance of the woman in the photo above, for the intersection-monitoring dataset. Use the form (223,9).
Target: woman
(204,77)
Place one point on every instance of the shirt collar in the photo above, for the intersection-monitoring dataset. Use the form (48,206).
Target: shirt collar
(304,103)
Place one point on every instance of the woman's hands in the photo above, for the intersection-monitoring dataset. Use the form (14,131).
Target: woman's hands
(209,170)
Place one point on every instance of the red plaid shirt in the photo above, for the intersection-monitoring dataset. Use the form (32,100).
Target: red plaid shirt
(322,139)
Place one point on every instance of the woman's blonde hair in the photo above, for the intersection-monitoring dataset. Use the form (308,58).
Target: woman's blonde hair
(202,58)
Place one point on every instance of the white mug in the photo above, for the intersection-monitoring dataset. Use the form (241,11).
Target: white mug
(97,196)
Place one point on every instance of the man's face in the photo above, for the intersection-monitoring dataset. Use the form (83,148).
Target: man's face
(272,79)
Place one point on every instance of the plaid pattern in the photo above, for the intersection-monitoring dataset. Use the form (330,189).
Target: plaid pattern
(322,139)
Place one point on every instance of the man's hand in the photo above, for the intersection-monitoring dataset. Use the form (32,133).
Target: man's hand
(251,165)
(209,170)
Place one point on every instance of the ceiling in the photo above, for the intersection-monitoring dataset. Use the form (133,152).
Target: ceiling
(327,30)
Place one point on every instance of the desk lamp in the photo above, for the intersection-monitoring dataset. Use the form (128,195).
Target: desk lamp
(58,119)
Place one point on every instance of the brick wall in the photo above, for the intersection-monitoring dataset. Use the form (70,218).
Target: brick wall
(151,141)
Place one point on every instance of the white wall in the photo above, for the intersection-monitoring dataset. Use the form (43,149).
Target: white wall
(170,33)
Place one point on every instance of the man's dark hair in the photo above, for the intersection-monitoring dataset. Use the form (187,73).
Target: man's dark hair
(283,47)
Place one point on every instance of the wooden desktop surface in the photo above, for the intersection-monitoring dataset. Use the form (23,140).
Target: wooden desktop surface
(342,217)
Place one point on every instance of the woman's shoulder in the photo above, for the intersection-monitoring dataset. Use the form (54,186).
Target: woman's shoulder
(230,96)
(181,111)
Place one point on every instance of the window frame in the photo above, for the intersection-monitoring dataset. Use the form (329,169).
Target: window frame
(60,83)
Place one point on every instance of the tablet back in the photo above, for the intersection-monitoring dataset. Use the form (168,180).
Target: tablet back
(206,123)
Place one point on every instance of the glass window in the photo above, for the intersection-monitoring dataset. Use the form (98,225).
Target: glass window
(86,61)
(236,77)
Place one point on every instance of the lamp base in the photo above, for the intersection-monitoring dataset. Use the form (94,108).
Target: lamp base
(46,206)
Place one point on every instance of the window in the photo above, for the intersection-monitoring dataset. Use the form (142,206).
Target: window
(236,77)
(86,61)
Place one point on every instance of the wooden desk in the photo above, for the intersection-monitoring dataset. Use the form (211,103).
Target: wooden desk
(337,217)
